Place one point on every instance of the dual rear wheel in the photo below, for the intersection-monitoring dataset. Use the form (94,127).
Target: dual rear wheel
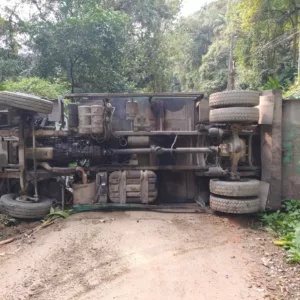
(234,107)
(236,197)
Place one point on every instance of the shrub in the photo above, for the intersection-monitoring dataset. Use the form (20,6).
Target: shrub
(36,86)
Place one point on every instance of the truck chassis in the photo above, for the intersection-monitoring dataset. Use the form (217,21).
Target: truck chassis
(117,150)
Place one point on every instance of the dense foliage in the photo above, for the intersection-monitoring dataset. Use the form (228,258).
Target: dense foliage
(200,49)
(36,86)
(286,226)
(266,44)
(127,45)
(93,45)
(84,49)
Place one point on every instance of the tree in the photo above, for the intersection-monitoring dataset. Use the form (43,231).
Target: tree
(198,49)
(11,63)
(134,38)
(267,40)
(149,65)
(85,47)
(267,34)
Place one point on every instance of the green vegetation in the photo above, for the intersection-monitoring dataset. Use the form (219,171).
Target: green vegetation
(266,45)
(293,92)
(36,86)
(286,226)
(56,213)
(92,45)
(132,45)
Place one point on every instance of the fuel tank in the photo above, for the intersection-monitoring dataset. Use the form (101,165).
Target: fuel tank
(132,187)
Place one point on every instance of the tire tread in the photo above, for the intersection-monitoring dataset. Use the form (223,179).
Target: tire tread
(234,114)
(234,98)
(25,210)
(234,206)
(246,188)
(27,102)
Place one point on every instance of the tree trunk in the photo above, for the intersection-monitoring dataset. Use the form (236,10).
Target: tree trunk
(72,77)
(295,30)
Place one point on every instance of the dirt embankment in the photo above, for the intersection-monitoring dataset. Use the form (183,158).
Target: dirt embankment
(145,255)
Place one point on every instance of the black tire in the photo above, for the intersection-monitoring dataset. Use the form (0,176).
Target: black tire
(234,206)
(245,188)
(234,115)
(234,98)
(26,102)
(25,210)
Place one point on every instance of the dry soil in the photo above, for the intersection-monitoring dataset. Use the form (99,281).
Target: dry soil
(139,255)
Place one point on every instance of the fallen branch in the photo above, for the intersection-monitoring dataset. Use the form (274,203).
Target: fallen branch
(7,241)
(49,221)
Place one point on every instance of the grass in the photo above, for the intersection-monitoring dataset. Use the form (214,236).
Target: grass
(285,225)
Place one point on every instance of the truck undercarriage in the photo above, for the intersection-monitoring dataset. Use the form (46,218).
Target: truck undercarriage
(129,149)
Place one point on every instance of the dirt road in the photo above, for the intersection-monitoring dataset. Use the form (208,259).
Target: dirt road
(134,255)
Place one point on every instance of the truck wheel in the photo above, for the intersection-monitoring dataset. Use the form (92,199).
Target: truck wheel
(234,205)
(234,115)
(234,98)
(25,210)
(26,101)
(244,188)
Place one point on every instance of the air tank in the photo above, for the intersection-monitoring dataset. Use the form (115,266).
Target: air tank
(84,114)
(97,119)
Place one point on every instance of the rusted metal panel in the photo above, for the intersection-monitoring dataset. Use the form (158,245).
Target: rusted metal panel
(264,189)
(45,153)
(179,114)
(29,175)
(138,141)
(133,95)
(9,132)
(145,119)
(3,155)
(271,151)
(291,149)
(203,110)
(57,111)
(266,108)
(186,207)
(101,187)
(51,133)
(244,170)
(160,114)
(73,120)
(178,186)
(160,133)
(14,174)
(84,193)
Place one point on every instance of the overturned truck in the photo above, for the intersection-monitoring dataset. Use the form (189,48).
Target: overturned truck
(124,150)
